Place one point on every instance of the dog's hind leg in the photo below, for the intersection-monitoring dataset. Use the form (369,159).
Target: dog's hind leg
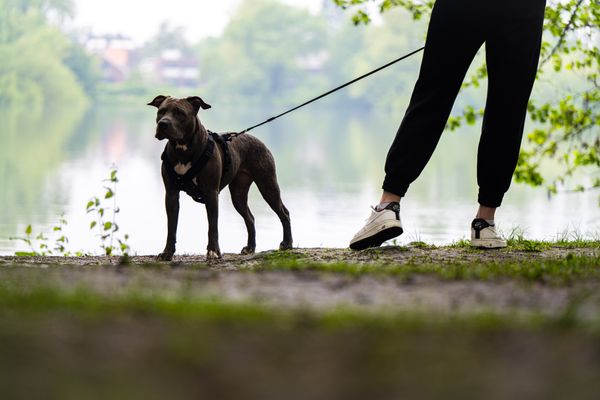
(239,188)
(269,189)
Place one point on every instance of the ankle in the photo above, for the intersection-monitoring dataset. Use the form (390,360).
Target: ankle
(388,197)
(486,213)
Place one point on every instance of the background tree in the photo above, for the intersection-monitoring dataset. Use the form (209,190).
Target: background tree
(565,107)
(264,50)
(37,57)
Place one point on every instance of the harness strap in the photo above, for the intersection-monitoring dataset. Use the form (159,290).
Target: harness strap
(185,182)
(222,140)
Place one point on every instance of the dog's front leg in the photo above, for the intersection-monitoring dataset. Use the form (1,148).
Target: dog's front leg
(212,211)
(172,206)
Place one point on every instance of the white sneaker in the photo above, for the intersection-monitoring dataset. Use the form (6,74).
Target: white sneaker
(380,226)
(484,235)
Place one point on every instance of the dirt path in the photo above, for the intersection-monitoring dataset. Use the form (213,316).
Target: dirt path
(392,254)
(235,279)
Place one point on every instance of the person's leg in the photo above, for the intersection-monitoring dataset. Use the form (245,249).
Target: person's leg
(456,32)
(454,36)
(512,52)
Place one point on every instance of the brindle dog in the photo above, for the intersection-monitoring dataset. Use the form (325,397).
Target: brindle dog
(191,163)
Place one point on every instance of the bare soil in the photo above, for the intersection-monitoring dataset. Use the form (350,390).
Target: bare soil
(232,279)
(67,352)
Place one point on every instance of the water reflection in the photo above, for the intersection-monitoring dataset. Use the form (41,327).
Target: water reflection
(329,166)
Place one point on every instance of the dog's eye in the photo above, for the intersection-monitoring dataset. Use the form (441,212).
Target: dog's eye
(178,113)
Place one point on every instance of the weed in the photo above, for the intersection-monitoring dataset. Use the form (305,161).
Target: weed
(105,218)
(422,245)
(460,244)
(516,241)
(39,245)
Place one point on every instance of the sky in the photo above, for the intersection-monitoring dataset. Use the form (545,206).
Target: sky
(140,19)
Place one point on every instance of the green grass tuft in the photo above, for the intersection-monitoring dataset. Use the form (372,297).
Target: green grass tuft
(557,271)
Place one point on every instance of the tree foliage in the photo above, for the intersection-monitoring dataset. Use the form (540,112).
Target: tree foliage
(565,108)
(35,56)
(263,50)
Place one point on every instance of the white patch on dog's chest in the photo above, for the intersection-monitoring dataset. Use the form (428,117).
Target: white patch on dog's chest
(181,147)
(182,169)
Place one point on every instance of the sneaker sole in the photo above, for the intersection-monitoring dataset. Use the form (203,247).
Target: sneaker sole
(488,243)
(377,239)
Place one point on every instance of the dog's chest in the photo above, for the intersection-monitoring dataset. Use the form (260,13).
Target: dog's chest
(182,169)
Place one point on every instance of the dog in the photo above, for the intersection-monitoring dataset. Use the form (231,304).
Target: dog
(201,163)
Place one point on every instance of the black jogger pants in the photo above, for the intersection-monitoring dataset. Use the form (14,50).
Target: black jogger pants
(511,31)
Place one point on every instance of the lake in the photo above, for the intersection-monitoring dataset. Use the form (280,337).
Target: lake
(330,167)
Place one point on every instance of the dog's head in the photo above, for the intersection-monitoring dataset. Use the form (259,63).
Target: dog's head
(176,118)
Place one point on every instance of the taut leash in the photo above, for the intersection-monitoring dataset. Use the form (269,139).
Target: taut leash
(329,92)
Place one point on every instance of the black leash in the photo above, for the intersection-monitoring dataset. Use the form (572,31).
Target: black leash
(328,93)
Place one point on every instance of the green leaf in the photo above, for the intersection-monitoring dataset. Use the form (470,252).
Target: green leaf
(108,225)
(26,254)
(90,204)
(109,194)
(28,230)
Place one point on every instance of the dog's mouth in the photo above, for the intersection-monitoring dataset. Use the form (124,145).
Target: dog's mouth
(162,134)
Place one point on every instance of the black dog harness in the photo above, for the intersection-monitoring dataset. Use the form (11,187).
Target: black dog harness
(186,182)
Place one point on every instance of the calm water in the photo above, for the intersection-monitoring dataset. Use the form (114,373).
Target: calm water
(329,164)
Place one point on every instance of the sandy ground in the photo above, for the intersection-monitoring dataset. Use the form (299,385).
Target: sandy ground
(234,279)
(63,353)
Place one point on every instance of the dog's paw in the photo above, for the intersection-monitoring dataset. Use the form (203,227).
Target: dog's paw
(165,257)
(285,246)
(213,255)
(247,250)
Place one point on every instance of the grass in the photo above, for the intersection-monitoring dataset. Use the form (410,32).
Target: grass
(141,338)
(552,271)
(71,348)
(517,241)
(30,297)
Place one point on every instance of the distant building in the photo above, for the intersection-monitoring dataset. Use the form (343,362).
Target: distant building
(173,68)
(114,52)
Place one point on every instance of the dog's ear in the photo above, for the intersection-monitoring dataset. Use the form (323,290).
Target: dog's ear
(197,103)
(158,100)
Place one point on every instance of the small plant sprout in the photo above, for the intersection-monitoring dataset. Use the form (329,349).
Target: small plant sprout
(105,222)
(39,245)
(28,240)
(60,244)
(105,215)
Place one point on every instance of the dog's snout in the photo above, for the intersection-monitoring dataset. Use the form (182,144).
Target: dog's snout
(164,123)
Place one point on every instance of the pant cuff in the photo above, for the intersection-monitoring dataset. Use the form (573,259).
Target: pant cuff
(392,187)
(488,199)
